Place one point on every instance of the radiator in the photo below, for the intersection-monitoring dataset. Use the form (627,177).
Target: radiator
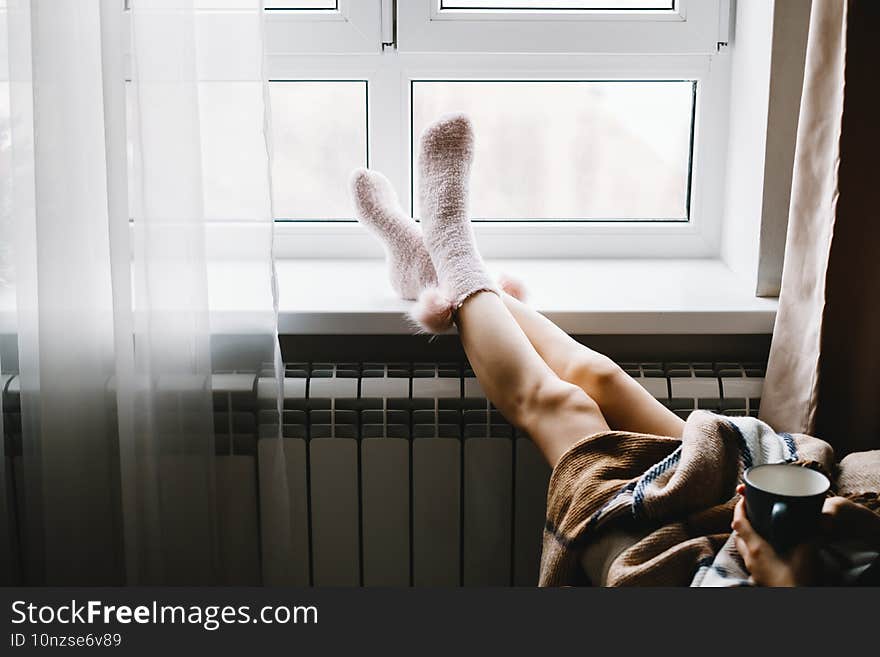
(398,474)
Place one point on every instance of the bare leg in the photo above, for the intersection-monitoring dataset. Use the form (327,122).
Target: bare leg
(625,404)
(555,413)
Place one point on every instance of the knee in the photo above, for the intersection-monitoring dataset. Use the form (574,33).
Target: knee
(594,372)
(553,397)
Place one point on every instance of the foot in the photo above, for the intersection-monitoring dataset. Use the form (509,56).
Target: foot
(445,160)
(409,265)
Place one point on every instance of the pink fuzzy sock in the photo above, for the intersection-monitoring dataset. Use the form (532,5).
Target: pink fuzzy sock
(444,167)
(409,265)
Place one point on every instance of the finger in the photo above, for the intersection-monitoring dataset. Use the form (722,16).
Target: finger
(832,509)
(736,521)
(801,553)
(829,504)
(743,550)
(740,522)
(741,489)
(827,520)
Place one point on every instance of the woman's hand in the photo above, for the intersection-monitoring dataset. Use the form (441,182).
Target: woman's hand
(842,519)
(768,568)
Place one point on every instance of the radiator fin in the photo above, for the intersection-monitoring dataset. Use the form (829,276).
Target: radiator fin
(393,474)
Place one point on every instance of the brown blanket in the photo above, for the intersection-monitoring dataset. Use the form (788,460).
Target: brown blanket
(679,494)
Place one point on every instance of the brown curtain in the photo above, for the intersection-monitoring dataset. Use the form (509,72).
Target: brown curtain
(823,376)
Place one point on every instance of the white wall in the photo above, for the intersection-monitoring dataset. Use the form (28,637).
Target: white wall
(750,79)
(791,21)
(767,69)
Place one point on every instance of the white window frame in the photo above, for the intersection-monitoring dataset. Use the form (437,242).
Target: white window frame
(347,45)
(355,27)
(389,76)
(690,27)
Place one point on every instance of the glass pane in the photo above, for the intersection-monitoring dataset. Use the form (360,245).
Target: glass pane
(541,5)
(233,150)
(319,134)
(591,150)
(313,5)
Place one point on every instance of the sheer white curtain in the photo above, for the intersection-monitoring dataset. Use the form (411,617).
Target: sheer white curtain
(117,218)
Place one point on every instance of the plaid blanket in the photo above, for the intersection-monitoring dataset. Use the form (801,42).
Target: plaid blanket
(679,495)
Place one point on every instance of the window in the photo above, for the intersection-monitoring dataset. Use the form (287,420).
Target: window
(570,150)
(303,5)
(601,124)
(323,26)
(319,135)
(556,5)
(597,26)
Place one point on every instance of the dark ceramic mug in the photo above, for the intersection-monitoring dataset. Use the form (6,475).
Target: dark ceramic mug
(784,503)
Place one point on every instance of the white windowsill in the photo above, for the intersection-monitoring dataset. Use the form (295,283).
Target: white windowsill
(352,297)
(583,297)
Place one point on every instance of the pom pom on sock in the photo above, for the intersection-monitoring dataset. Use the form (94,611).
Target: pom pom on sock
(433,311)
(513,286)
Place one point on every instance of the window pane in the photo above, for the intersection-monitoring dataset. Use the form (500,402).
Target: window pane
(233,150)
(541,5)
(591,150)
(319,134)
(321,5)
(232,146)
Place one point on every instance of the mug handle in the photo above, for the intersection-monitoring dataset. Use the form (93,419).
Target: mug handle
(777,523)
